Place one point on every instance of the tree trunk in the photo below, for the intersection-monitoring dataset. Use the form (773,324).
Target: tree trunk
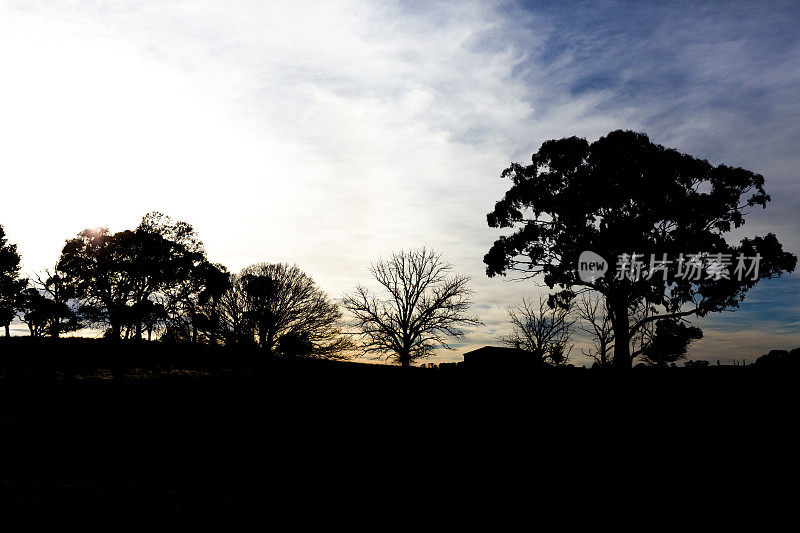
(603,353)
(8,333)
(116,330)
(622,351)
(262,336)
(405,358)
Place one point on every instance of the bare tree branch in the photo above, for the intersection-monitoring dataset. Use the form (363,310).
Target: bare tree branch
(595,319)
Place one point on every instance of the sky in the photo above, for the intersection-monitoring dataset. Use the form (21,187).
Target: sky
(329,134)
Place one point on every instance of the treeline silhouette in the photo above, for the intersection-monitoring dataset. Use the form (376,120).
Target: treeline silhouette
(155,282)
(621,196)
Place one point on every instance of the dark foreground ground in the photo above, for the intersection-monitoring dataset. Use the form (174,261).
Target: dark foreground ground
(299,445)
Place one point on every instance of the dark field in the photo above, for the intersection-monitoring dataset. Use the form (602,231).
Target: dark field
(168,435)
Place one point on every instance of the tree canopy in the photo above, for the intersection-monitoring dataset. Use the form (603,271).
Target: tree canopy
(120,277)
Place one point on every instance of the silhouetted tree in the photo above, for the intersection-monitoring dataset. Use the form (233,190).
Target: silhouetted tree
(295,344)
(118,277)
(178,232)
(43,315)
(147,316)
(622,195)
(54,286)
(235,326)
(670,342)
(170,256)
(97,264)
(193,286)
(211,282)
(36,311)
(596,320)
(542,329)
(10,283)
(779,359)
(279,300)
(425,304)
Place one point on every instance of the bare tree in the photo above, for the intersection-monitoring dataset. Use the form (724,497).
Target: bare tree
(424,305)
(541,329)
(595,319)
(236,327)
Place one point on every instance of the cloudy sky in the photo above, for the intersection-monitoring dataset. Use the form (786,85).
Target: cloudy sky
(329,134)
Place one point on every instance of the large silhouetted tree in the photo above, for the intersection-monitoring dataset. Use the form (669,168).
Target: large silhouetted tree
(97,263)
(423,305)
(622,195)
(167,256)
(122,278)
(285,310)
(10,283)
(188,284)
